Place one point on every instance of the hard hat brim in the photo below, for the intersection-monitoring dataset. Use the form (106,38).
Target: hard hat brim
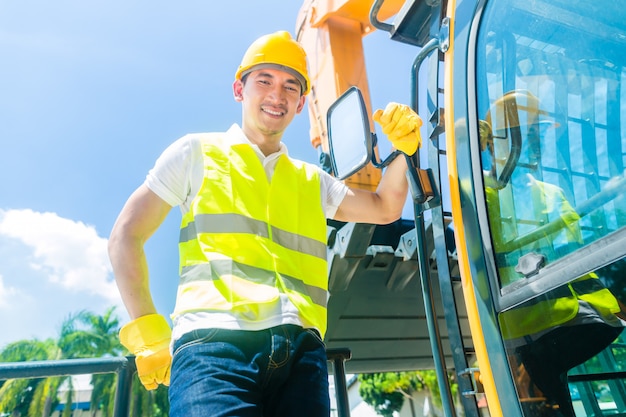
(279,67)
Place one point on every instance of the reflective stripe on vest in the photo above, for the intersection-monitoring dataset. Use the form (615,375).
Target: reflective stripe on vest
(246,240)
(556,307)
(236,223)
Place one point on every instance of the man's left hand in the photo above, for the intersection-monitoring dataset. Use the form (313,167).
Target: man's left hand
(401,125)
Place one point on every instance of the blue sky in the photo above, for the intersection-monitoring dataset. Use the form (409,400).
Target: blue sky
(90,94)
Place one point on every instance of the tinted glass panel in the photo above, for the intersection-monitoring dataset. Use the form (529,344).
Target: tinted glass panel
(550,104)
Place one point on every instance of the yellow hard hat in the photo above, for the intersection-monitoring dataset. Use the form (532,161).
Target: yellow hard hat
(276,50)
(518,108)
(505,119)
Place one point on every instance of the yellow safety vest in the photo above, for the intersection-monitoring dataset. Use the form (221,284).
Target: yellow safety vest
(246,240)
(557,307)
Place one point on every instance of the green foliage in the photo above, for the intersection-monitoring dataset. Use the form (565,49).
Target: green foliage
(386,392)
(67,411)
(379,391)
(28,396)
(81,335)
(149,403)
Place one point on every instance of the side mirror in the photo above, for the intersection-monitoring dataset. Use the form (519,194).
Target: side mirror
(350,140)
(349,135)
(351,145)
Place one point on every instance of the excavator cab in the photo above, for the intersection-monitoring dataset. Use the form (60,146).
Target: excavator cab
(524,136)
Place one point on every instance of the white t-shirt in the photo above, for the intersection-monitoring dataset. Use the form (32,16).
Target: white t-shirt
(176,178)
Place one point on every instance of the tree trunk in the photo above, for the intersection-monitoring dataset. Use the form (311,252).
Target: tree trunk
(47,407)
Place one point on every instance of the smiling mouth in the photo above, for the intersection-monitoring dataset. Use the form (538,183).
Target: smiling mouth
(273,112)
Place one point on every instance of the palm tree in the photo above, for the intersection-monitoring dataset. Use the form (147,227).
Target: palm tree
(85,334)
(88,335)
(82,335)
(31,397)
(149,403)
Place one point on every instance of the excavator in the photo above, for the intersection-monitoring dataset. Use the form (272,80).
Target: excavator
(510,275)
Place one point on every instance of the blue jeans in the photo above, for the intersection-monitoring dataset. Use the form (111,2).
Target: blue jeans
(278,372)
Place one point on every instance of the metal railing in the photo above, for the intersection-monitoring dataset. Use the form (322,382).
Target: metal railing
(124,367)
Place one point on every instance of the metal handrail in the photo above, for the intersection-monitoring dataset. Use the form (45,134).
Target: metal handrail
(124,367)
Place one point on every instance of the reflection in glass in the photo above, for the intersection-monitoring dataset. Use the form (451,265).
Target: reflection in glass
(550,105)
(569,340)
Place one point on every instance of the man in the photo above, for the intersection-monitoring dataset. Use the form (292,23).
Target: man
(250,312)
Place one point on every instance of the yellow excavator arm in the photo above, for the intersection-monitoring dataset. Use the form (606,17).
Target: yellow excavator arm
(331,32)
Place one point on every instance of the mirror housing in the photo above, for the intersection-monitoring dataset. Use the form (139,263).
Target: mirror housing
(349,134)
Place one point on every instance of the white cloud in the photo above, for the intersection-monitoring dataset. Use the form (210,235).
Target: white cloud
(50,267)
(70,252)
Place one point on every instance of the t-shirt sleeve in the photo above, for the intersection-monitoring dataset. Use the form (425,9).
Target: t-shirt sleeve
(170,178)
(333,192)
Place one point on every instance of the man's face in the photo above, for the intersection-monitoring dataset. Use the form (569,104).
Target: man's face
(270,98)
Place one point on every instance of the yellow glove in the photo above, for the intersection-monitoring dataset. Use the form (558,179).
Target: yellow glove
(401,125)
(148,338)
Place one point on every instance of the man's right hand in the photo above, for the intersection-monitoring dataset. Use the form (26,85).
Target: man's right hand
(148,338)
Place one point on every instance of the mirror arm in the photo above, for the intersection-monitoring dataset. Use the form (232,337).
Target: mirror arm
(382,164)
